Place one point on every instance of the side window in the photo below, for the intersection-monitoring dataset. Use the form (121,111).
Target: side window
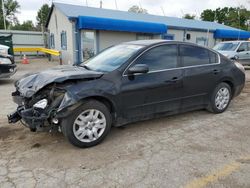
(63,40)
(52,41)
(243,47)
(193,55)
(159,58)
(213,57)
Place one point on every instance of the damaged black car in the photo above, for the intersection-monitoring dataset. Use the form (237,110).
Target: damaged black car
(125,83)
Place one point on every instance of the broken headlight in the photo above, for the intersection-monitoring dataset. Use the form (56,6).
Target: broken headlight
(41,104)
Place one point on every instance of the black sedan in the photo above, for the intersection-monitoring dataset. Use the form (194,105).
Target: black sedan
(7,66)
(125,83)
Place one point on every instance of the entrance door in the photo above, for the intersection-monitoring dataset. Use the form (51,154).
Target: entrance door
(88,44)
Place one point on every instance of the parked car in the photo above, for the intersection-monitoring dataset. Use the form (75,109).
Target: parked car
(235,50)
(125,83)
(7,66)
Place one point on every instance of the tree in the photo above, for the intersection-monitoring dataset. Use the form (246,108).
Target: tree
(42,16)
(137,9)
(10,9)
(189,16)
(208,15)
(234,17)
(25,26)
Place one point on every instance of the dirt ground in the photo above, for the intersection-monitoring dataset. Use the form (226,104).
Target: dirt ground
(195,149)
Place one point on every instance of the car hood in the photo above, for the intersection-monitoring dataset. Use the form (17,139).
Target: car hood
(30,84)
(227,53)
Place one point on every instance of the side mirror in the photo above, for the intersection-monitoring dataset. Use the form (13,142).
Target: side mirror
(241,50)
(139,68)
(235,57)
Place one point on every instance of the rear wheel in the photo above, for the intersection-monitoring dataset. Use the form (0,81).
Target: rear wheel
(220,98)
(88,124)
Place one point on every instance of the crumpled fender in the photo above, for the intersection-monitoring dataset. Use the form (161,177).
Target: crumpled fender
(78,92)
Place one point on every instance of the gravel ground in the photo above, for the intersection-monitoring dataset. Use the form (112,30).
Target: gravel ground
(195,149)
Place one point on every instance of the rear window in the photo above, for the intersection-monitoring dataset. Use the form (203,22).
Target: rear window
(213,57)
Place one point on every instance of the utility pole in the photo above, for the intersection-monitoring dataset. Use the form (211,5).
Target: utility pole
(4,21)
(101,4)
(116,5)
(87,3)
(163,11)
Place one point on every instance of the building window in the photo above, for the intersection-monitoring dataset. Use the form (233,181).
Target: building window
(202,41)
(88,44)
(144,37)
(168,36)
(52,40)
(63,40)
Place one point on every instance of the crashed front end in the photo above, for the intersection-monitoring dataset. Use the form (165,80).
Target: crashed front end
(39,112)
(46,97)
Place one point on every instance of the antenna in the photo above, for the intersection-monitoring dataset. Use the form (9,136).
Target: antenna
(163,11)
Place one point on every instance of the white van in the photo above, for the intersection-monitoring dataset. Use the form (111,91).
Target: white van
(238,50)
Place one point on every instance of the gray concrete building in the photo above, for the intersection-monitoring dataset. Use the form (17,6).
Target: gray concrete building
(79,32)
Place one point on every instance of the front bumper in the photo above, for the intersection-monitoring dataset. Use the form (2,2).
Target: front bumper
(7,71)
(35,119)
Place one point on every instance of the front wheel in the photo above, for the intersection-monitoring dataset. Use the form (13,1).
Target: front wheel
(220,98)
(88,124)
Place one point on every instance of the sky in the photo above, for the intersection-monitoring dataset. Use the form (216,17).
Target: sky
(176,8)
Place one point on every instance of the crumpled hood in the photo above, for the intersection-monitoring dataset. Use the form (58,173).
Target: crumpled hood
(30,84)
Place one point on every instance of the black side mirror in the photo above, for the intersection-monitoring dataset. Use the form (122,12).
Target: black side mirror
(139,68)
(241,50)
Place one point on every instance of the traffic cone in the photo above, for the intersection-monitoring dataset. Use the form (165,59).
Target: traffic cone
(25,60)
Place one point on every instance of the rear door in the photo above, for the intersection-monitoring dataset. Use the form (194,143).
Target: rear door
(201,72)
(157,91)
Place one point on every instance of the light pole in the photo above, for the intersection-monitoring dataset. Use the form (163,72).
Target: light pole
(4,21)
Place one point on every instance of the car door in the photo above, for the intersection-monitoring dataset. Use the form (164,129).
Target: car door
(201,72)
(243,53)
(157,91)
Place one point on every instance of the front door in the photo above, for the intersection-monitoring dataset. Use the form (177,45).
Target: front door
(157,91)
(243,53)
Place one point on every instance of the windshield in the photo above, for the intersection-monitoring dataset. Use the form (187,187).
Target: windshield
(227,46)
(111,58)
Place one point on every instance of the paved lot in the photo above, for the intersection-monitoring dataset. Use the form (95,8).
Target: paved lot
(196,149)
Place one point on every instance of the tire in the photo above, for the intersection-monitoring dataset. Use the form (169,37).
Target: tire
(224,93)
(88,124)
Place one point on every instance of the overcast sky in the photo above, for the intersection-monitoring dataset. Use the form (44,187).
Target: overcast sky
(175,8)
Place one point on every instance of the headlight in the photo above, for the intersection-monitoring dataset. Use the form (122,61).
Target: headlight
(5,60)
(41,104)
(239,66)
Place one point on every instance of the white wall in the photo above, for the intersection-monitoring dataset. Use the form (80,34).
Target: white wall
(179,35)
(58,23)
(109,38)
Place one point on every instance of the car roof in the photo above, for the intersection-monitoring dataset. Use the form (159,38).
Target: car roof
(156,41)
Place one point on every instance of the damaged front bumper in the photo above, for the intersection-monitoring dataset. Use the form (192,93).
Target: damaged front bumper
(33,117)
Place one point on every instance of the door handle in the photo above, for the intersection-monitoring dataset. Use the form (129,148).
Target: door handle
(173,80)
(216,71)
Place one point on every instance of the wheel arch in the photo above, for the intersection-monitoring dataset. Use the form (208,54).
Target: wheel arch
(230,83)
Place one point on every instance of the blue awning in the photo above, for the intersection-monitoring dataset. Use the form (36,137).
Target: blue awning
(231,34)
(96,23)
